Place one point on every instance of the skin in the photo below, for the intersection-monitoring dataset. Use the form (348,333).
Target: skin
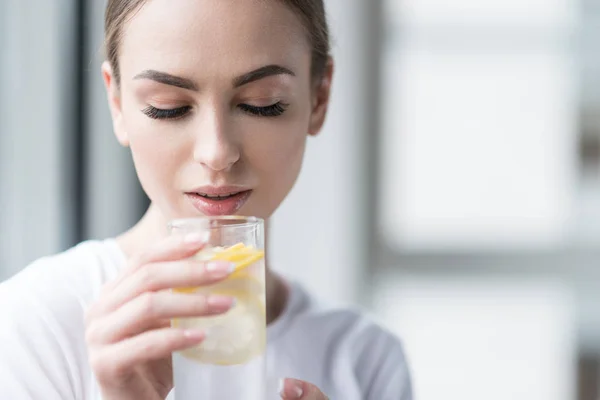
(209,46)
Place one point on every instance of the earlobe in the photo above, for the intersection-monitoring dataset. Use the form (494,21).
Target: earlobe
(114,103)
(321,100)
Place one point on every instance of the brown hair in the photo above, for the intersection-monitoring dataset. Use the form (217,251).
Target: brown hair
(311,13)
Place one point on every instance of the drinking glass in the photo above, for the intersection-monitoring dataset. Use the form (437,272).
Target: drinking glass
(230,362)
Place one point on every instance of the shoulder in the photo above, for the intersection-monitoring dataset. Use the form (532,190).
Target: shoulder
(58,288)
(347,325)
(54,291)
(42,347)
(355,338)
(80,271)
(365,342)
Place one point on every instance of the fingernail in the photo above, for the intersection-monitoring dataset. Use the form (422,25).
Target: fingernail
(220,303)
(195,238)
(290,389)
(220,267)
(194,335)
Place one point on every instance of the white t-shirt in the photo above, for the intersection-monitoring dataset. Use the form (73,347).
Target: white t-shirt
(43,353)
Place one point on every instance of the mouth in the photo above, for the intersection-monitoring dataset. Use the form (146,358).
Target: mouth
(218,201)
(218,197)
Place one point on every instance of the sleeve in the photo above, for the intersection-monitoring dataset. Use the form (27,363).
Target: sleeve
(392,379)
(39,351)
(382,366)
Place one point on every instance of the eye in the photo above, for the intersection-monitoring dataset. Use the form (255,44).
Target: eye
(172,113)
(273,110)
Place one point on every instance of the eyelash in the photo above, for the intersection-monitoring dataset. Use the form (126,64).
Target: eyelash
(173,113)
(273,110)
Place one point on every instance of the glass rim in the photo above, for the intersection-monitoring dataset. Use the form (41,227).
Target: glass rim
(244,221)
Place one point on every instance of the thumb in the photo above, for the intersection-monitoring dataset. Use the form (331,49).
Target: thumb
(293,389)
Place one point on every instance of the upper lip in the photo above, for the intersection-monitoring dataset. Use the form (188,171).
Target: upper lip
(219,190)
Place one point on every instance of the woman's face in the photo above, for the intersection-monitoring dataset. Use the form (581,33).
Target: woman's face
(216,102)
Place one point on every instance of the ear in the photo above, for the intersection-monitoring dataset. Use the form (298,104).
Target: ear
(114,102)
(320,100)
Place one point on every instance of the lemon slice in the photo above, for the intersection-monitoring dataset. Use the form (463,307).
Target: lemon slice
(236,336)
(223,252)
(241,255)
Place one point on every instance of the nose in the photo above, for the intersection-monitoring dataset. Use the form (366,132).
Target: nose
(215,147)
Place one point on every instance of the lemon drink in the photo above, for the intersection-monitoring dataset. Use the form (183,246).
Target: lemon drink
(240,334)
(230,362)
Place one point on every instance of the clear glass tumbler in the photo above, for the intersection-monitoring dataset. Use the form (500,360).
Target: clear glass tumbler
(230,362)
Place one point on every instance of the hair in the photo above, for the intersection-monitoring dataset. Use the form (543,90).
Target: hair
(311,13)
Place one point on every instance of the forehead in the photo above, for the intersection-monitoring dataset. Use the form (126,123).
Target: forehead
(215,37)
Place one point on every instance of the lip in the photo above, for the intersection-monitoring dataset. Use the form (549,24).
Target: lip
(226,206)
(218,190)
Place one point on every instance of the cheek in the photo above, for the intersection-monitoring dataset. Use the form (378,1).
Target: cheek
(275,154)
(285,152)
(277,158)
(281,146)
(156,155)
(153,164)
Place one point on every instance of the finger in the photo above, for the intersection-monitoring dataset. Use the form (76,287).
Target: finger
(116,360)
(143,312)
(293,389)
(167,275)
(97,332)
(171,248)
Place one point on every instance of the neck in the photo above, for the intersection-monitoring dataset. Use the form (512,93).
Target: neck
(153,227)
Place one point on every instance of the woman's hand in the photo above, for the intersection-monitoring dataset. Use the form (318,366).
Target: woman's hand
(293,389)
(128,332)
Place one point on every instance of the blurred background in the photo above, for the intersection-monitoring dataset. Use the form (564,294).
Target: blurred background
(454,193)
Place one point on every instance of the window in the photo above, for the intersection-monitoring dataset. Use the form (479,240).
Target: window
(480,125)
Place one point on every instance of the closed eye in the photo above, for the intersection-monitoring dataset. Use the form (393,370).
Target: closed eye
(172,113)
(273,110)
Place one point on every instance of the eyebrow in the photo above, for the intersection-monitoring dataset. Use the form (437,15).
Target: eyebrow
(167,79)
(184,83)
(261,73)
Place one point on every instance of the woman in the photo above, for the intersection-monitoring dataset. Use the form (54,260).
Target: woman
(215,99)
